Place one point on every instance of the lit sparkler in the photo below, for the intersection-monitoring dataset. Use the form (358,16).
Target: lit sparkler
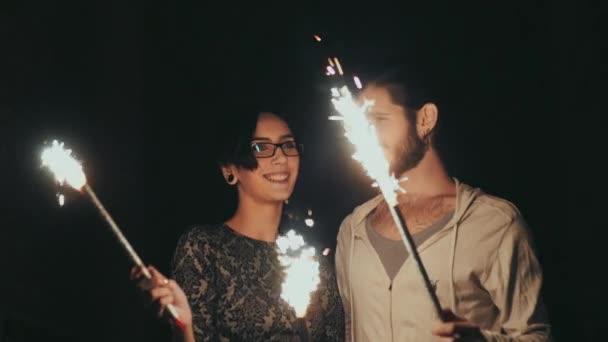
(301,274)
(301,271)
(368,151)
(68,170)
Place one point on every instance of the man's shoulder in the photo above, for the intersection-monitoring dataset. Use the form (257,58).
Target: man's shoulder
(486,204)
(494,220)
(360,212)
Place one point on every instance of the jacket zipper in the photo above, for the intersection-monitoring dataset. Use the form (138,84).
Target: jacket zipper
(390,307)
(390,287)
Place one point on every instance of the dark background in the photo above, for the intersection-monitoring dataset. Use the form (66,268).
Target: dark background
(137,89)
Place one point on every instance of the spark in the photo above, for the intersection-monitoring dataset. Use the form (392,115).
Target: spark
(358,82)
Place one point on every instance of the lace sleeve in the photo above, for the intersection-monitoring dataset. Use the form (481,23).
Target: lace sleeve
(192,269)
(325,313)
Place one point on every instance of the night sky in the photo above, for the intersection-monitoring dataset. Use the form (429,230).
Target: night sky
(139,90)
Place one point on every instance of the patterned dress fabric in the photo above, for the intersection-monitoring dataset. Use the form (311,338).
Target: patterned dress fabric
(233,284)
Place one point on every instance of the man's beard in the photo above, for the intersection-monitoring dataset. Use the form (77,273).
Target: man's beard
(409,152)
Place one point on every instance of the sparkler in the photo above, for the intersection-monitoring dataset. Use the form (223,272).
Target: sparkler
(368,151)
(68,170)
(301,275)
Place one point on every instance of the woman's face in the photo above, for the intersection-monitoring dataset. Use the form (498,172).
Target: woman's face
(275,177)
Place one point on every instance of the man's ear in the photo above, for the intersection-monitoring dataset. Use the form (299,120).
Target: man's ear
(426,119)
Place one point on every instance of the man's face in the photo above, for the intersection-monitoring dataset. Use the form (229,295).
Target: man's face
(402,146)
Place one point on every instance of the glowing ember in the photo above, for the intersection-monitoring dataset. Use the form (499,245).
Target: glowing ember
(301,271)
(63,165)
(358,82)
(317,38)
(338,66)
(61,199)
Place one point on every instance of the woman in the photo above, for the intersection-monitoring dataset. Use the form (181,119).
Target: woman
(229,272)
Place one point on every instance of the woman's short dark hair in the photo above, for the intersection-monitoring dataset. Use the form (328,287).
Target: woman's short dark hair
(237,132)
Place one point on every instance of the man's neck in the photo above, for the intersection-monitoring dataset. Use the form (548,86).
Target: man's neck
(259,221)
(428,179)
(430,194)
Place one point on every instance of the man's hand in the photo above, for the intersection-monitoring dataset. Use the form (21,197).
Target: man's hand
(457,329)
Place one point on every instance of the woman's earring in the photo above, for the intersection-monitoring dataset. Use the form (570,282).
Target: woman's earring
(231,179)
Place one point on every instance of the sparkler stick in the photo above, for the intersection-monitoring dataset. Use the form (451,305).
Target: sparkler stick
(362,134)
(408,241)
(68,170)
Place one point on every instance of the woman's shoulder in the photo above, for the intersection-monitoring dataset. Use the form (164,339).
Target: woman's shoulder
(201,233)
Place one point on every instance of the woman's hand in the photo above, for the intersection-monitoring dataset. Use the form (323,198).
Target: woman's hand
(159,291)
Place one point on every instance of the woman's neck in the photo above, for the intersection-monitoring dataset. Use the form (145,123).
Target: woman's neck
(259,221)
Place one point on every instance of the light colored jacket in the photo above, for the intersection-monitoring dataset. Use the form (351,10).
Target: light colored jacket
(481,264)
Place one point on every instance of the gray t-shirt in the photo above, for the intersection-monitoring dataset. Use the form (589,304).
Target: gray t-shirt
(393,253)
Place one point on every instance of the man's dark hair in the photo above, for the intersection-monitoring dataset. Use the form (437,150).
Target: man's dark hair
(408,86)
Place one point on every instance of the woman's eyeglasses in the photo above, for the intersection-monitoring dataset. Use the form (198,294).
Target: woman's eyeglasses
(268,149)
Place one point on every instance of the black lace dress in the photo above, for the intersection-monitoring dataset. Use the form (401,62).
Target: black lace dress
(233,284)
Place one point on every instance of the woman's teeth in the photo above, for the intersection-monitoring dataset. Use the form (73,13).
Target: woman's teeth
(277,177)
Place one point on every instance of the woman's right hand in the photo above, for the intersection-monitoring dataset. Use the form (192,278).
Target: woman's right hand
(162,291)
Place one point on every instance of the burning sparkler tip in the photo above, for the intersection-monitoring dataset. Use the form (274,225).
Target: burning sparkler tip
(63,165)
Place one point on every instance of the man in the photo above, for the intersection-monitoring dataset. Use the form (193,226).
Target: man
(476,247)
